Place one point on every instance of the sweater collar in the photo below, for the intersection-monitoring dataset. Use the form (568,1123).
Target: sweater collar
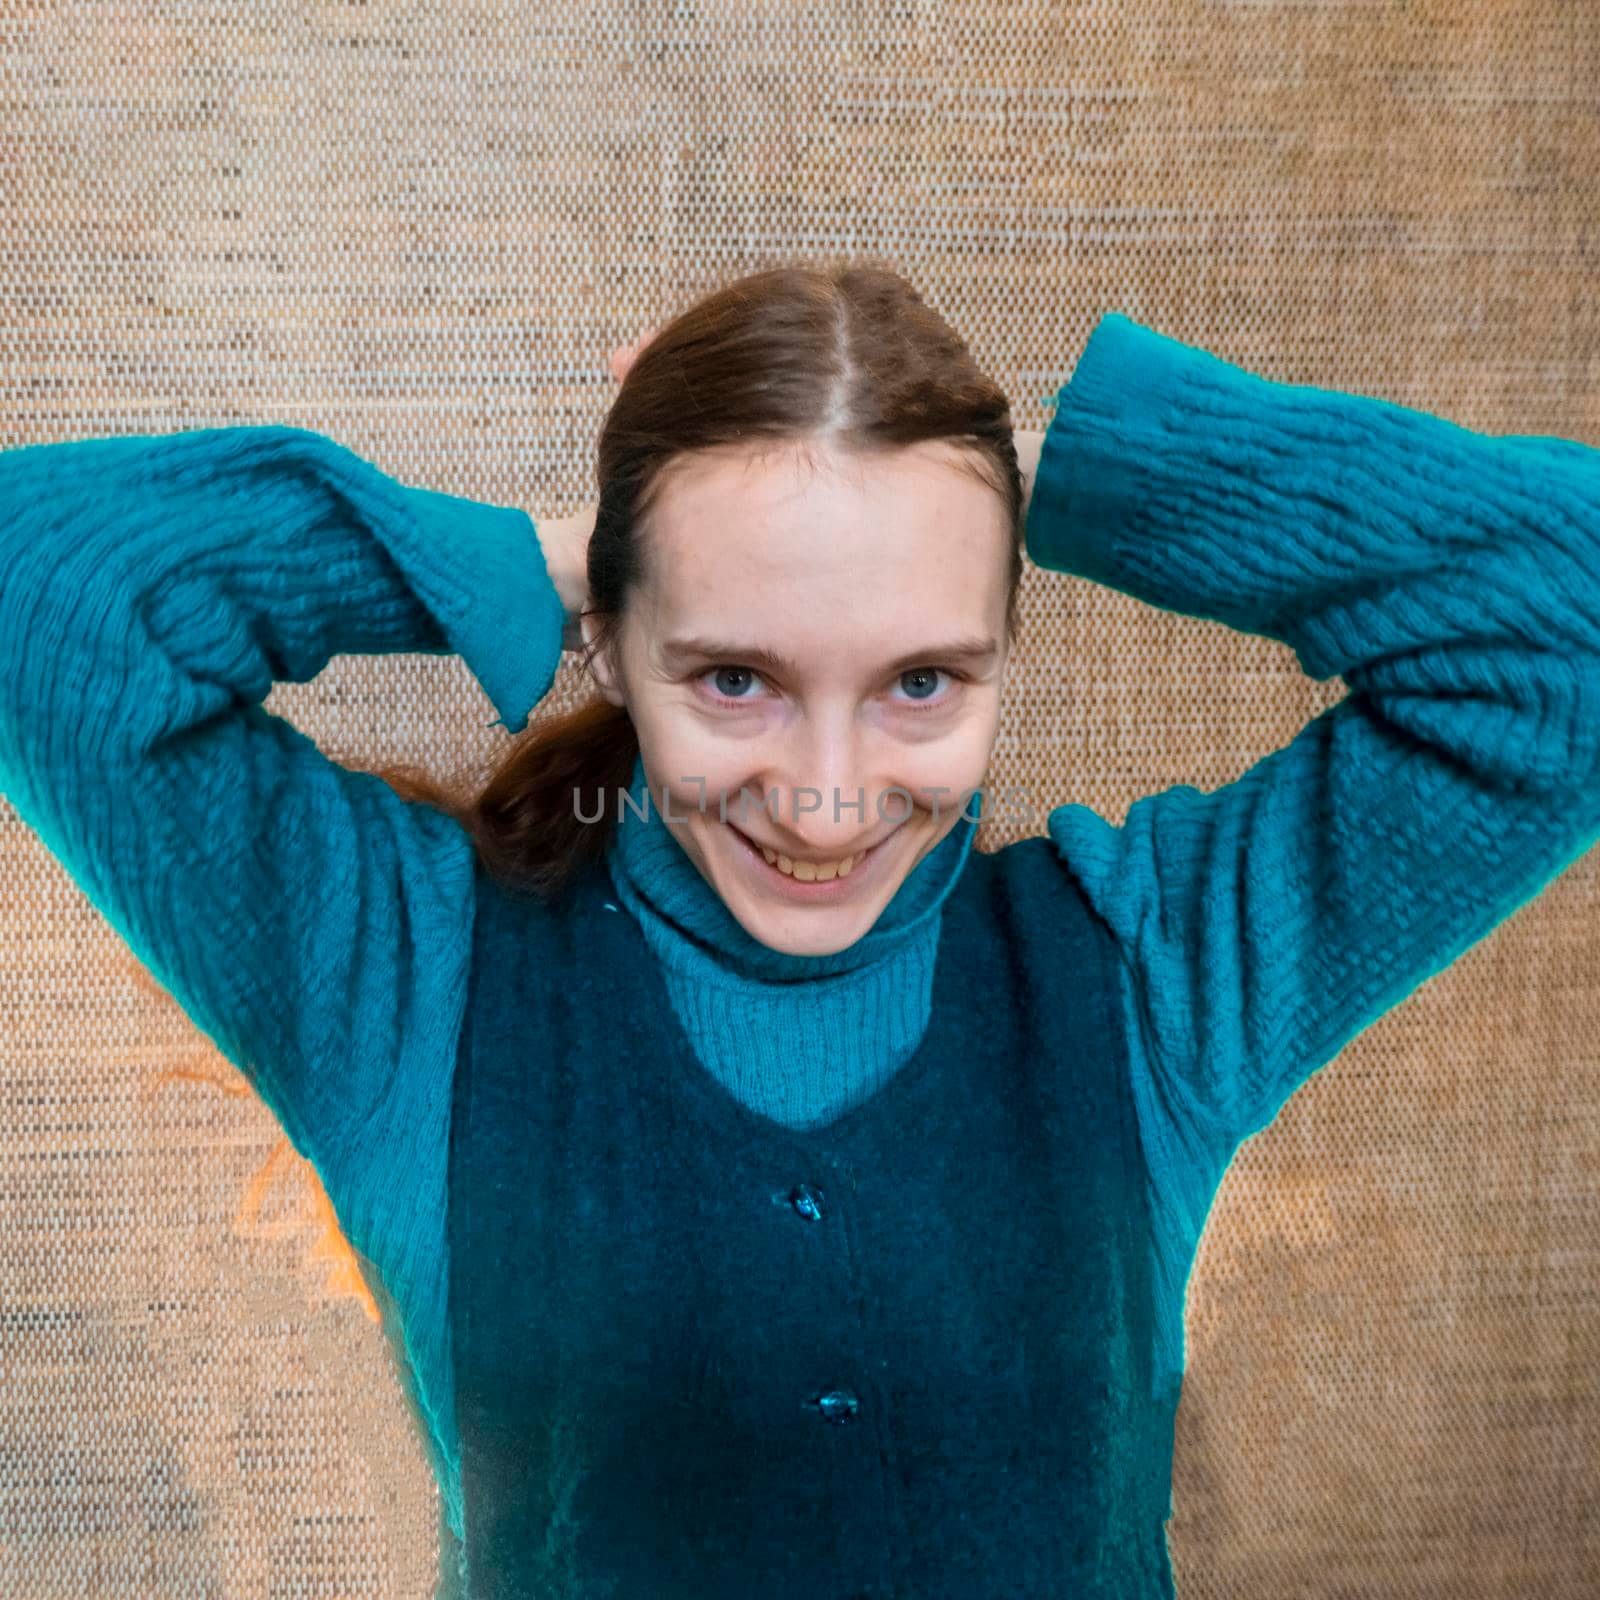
(666,891)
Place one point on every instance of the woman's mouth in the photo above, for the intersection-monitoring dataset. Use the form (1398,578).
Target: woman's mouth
(810,881)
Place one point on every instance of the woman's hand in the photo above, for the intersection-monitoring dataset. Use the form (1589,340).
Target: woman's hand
(625,355)
(564,541)
(1028,444)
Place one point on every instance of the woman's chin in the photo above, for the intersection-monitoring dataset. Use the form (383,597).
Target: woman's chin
(812,933)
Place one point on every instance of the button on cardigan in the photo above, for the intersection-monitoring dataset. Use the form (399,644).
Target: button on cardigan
(319,930)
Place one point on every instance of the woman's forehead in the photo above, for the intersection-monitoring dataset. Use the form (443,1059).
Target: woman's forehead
(906,544)
(900,563)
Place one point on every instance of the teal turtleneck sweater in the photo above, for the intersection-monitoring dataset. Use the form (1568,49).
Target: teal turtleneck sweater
(798,1038)
(317,928)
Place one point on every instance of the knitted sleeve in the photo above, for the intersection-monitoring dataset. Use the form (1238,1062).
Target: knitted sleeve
(1453,580)
(152,590)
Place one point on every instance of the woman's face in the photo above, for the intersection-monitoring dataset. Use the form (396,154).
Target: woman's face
(796,642)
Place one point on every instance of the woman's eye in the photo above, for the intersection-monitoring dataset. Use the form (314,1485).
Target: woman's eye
(924,684)
(731,682)
(921,685)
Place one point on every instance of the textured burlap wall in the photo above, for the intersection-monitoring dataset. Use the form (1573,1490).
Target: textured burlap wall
(420,228)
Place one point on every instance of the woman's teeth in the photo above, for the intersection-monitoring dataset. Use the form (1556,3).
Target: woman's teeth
(812,871)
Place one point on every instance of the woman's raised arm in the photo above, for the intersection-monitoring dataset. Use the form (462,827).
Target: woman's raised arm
(152,590)
(1453,580)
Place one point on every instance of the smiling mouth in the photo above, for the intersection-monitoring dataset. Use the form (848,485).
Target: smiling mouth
(808,871)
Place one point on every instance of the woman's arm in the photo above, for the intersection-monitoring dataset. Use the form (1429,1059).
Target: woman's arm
(1453,580)
(152,590)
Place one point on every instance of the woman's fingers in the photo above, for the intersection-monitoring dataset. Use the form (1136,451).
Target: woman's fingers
(624,355)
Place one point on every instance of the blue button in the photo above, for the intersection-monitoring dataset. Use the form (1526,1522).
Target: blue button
(839,1405)
(807,1201)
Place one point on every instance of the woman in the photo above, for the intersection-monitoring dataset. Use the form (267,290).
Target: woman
(745,1233)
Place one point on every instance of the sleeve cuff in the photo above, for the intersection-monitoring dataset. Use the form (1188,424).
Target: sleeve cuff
(1091,464)
(509,632)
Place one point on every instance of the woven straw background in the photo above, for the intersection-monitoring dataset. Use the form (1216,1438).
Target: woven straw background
(420,228)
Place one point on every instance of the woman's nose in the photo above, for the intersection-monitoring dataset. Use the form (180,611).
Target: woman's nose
(833,805)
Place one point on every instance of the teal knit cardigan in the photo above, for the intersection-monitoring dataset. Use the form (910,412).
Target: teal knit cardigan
(316,928)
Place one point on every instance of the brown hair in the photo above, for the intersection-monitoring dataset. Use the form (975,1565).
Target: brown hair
(846,354)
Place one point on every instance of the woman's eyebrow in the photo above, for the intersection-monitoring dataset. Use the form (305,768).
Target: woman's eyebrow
(972,649)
